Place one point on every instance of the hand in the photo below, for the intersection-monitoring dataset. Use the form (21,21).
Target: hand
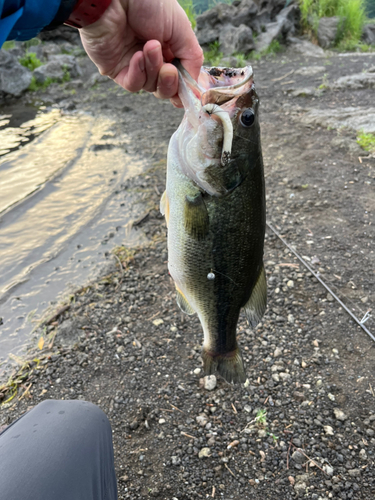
(134,41)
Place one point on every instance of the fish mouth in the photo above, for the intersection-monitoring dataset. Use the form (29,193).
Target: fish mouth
(214,95)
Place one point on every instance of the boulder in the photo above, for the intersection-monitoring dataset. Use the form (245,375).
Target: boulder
(52,70)
(327,31)
(305,48)
(236,40)
(14,78)
(274,31)
(291,18)
(56,68)
(368,34)
(68,62)
(245,14)
(207,35)
(222,13)
(356,82)
(60,35)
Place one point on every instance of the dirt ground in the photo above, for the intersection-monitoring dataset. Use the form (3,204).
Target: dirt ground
(124,345)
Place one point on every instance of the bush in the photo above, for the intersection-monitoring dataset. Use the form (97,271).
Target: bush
(30,61)
(189,8)
(351,12)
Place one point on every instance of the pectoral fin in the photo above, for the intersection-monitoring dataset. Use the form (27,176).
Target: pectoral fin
(164,206)
(256,305)
(183,304)
(196,216)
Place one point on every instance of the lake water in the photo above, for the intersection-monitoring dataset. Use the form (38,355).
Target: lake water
(61,210)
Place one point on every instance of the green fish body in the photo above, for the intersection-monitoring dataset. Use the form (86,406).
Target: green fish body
(215,210)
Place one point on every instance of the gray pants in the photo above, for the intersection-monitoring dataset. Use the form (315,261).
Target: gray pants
(60,450)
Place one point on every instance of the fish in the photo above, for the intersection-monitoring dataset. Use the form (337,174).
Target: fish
(215,212)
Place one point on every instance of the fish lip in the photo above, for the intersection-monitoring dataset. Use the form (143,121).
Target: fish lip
(199,94)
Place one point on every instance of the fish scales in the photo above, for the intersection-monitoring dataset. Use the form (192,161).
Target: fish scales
(215,239)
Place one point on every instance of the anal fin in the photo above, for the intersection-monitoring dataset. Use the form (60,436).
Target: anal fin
(183,304)
(256,305)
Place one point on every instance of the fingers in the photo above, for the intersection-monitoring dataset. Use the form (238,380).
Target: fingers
(167,84)
(153,63)
(133,77)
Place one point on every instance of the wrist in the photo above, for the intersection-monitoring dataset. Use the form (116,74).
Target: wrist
(86,12)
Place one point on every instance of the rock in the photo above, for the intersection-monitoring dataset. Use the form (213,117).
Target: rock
(56,68)
(278,352)
(352,118)
(207,36)
(245,13)
(303,92)
(298,457)
(274,31)
(197,371)
(220,14)
(328,430)
(61,34)
(210,382)
(354,472)
(355,82)
(328,469)
(69,63)
(300,488)
(96,78)
(204,453)
(284,376)
(14,78)
(175,460)
(310,70)
(327,31)
(233,40)
(305,47)
(161,421)
(368,34)
(290,17)
(158,322)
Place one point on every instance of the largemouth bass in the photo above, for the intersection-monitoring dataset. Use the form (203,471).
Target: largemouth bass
(214,205)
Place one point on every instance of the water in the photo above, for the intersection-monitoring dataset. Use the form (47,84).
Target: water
(59,201)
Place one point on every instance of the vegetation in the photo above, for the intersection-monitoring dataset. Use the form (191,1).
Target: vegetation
(9,45)
(213,56)
(352,14)
(189,8)
(34,85)
(30,61)
(31,43)
(366,141)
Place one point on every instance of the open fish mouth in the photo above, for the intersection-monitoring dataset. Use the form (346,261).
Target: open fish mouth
(215,95)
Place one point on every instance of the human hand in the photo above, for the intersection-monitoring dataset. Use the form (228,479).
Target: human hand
(134,41)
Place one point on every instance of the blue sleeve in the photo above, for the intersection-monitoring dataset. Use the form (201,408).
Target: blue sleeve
(24,19)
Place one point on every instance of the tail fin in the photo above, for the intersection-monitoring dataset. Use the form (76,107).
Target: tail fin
(229,365)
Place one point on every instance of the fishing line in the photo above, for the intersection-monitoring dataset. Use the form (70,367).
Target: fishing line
(316,275)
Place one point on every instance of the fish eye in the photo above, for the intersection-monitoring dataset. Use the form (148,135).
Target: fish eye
(247,117)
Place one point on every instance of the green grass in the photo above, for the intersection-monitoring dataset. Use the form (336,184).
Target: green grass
(31,43)
(366,141)
(188,6)
(351,12)
(241,60)
(213,56)
(261,417)
(30,61)
(10,44)
(35,86)
(273,49)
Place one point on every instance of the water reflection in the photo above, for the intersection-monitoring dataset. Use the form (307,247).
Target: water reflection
(58,200)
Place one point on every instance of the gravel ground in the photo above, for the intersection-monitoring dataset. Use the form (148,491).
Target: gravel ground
(303,425)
